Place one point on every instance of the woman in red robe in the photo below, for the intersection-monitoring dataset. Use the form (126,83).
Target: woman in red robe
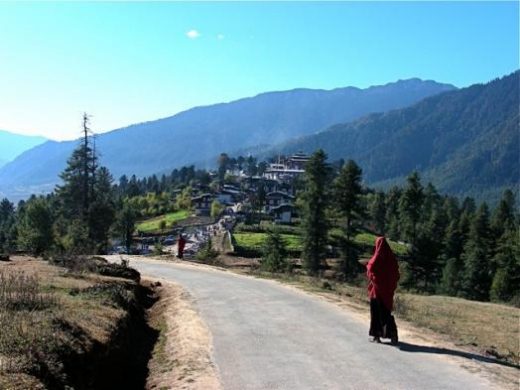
(181,243)
(383,275)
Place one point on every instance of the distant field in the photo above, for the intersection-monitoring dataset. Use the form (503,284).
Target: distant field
(369,239)
(153,224)
(256,240)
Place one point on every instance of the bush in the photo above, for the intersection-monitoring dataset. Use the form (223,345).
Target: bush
(158,248)
(274,258)
(112,294)
(98,265)
(206,252)
(19,291)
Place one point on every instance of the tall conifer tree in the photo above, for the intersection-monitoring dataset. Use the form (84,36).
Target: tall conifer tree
(347,201)
(313,202)
(476,256)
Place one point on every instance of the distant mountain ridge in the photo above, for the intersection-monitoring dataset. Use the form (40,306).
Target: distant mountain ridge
(12,145)
(464,141)
(201,133)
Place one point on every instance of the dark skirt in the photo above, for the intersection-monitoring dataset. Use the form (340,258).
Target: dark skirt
(382,322)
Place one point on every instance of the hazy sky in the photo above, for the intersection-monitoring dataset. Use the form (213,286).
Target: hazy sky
(132,62)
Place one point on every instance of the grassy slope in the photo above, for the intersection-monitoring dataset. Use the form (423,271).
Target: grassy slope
(73,315)
(153,224)
(255,240)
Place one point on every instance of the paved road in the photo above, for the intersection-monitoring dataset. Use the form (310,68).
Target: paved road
(267,336)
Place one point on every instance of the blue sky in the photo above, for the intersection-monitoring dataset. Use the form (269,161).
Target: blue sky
(132,62)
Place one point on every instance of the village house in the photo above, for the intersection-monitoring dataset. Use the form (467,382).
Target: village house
(283,213)
(202,204)
(227,197)
(275,199)
(287,169)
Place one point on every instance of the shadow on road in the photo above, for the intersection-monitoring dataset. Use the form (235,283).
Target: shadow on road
(407,347)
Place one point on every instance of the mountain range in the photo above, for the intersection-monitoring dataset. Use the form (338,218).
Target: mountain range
(201,133)
(464,141)
(12,145)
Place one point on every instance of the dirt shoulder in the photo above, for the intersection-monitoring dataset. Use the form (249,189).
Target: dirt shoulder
(182,356)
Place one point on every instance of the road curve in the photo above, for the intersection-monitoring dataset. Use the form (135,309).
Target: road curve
(267,336)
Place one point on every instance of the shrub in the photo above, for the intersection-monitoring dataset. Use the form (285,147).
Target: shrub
(112,294)
(19,291)
(158,248)
(274,257)
(206,252)
(98,265)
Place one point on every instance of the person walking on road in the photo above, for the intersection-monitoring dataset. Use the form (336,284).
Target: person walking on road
(181,243)
(383,275)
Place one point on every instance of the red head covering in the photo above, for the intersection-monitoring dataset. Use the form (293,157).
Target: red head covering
(383,273)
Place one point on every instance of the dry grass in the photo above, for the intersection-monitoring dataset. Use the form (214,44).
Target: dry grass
(491,328)
(46,313)
(182,356)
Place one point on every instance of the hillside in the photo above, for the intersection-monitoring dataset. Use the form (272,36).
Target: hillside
(12,145)
(464,141)
(203,132)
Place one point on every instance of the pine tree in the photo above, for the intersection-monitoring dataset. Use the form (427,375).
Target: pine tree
(7,221)
(427,265)
(101,213)
(506,281)
(452,242)
(274,258)
(35,227)
(432,201)
(313,202)
(392,213)
(451,208)
(125,223)
(377,211)
(85,197)
(6,210)
(223,165)
(476,280)
(251,166)
(410,205)
(504,215)
(347,201)
(450,280)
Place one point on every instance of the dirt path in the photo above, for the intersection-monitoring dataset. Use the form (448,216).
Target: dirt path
(268,336)
(182,356)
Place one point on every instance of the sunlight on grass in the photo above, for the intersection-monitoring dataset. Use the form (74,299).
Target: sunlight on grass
(370,239)
(154,224)
(256,240)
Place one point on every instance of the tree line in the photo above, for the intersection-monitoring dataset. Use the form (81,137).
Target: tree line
(454,248)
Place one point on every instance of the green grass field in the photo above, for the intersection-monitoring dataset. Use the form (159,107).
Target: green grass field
(153,224)
(250,240)
(256,240)
(369,239)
